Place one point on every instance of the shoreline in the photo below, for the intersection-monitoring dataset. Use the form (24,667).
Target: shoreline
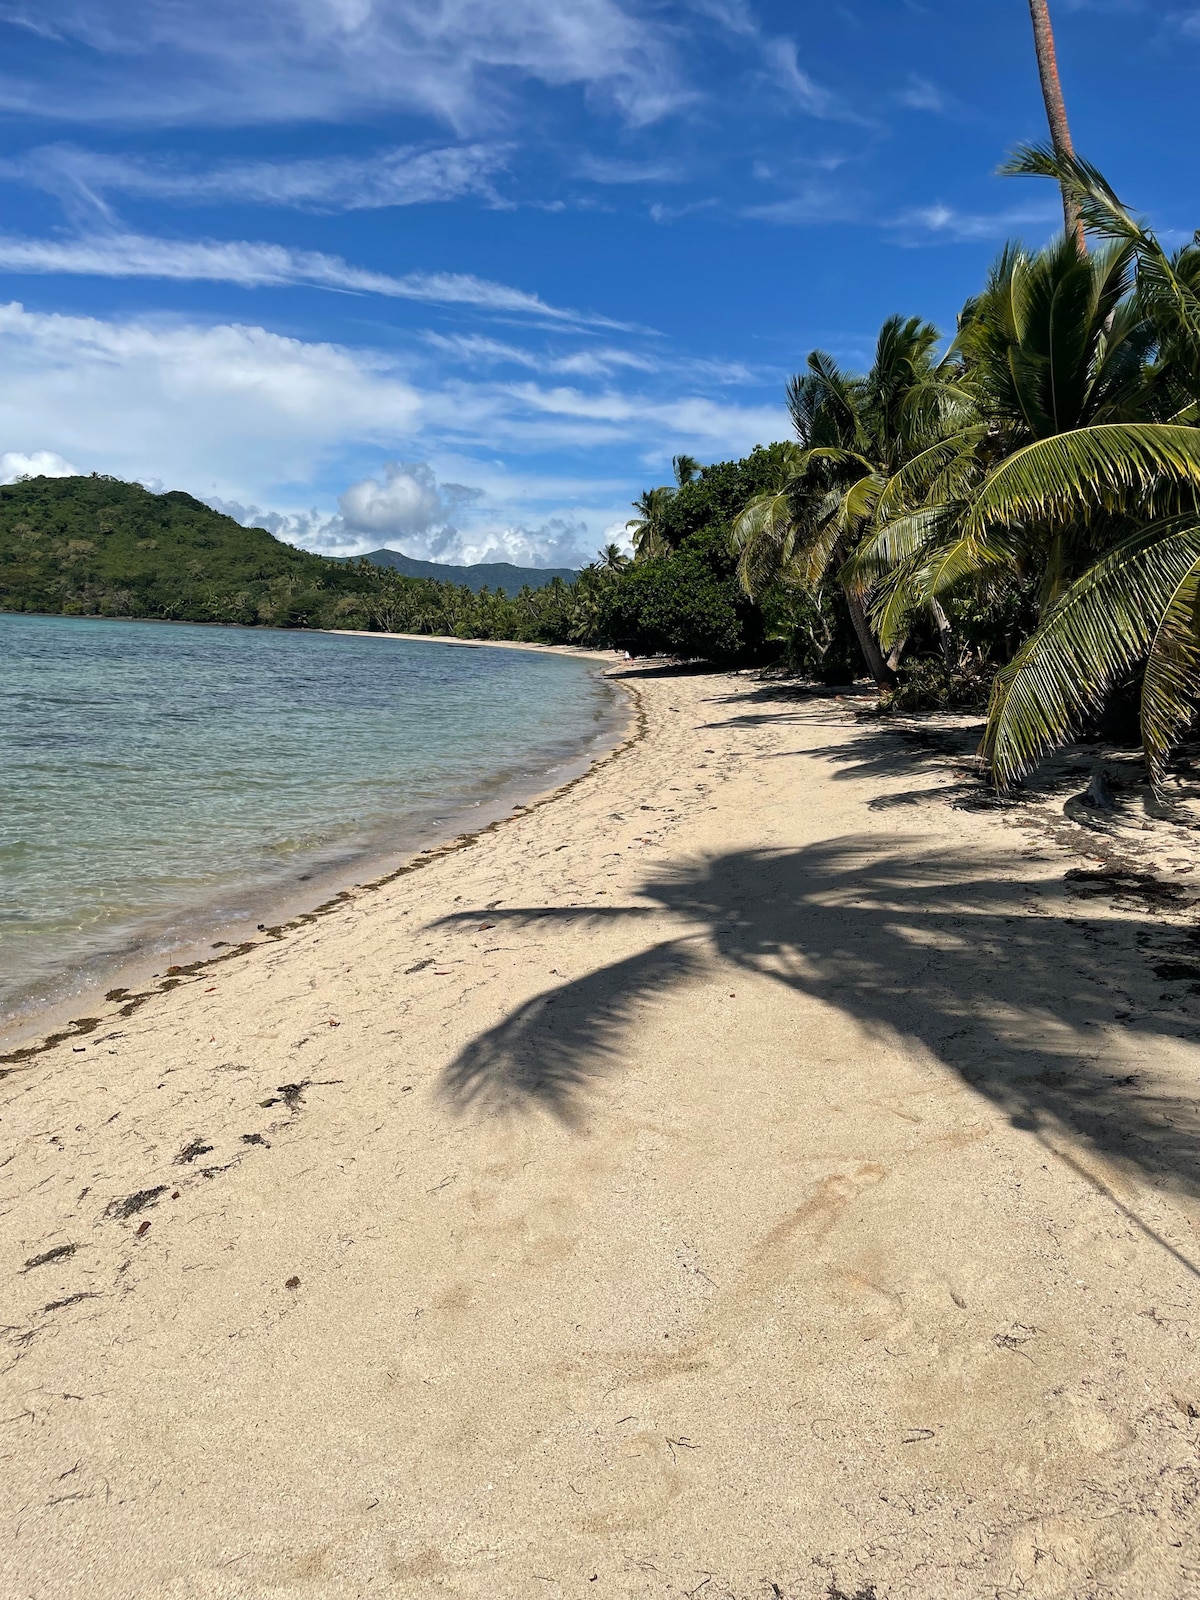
(46,1023)
(612,657)
(512,1226)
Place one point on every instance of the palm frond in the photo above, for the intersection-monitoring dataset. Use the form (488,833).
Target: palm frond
(897,541)
(1172,677)
(1102,625)
(761,537)
(1096,468)
(918,476)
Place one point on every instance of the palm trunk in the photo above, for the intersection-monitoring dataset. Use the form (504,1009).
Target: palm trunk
(1056,109)
(945,633)
(883,675)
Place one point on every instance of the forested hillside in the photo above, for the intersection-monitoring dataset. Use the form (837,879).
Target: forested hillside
(99,547)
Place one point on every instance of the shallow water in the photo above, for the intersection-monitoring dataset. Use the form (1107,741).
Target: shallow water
(155,777)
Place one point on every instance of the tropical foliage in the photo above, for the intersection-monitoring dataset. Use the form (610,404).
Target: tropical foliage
(1044,471)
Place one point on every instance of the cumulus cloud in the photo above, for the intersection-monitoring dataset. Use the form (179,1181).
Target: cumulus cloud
(114,255)
(404,503)
(285,60)
(15,464)
(401,177)
(187,403)
(405,508)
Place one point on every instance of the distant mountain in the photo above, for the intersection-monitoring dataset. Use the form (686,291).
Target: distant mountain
(484,575)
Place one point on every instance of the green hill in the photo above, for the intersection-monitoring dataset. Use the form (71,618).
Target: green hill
(99,547)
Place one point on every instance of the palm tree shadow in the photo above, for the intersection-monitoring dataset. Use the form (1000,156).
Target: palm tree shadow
(937,947)
(550,1049)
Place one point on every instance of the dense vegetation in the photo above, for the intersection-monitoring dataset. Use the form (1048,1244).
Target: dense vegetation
(99,547)
(1025,504)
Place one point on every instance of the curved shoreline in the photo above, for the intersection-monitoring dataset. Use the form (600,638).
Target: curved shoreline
(32,1037)
(523,1220)
(491,644)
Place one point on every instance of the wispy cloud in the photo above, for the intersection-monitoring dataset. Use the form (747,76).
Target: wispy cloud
(285,60)
(782,56)
(811,203)
(943,224)
(253,265)
(919,94)
(401,177)
(604,169)
(594,361)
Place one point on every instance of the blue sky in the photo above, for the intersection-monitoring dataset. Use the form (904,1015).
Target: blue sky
(461,277)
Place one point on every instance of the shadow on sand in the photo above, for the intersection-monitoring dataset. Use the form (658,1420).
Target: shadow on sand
(999,979)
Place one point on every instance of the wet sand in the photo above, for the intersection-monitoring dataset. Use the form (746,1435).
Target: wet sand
(743,1174)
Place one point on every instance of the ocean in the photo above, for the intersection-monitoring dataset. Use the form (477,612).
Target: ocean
(159,782)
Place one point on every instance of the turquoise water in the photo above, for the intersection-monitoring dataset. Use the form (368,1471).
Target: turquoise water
(156,779)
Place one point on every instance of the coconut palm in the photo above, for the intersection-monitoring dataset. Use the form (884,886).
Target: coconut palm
(1084,476)
(1168,286)
(858,437)
(1056,343)
(685,468)
(611,559)
(1139,602)
(647,528)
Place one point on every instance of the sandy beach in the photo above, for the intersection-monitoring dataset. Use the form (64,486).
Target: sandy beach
(763,1169)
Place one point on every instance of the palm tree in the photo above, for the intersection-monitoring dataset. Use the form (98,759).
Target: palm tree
(685,468)
(1054,344)
(1139,603)
(647,528)
(611,559)
(1168,286)
(857,437)
(1056,109)
(1083,473)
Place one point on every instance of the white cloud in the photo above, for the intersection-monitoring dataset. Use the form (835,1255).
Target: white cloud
(283,60)
(407,509)
(606,169)
(781,55)
(692,419)
(188,404)
(404,502)
(811,202)
(401,177)
(16,464)
(128,255)
(291,434)
(943,224)
(593,362)
(921,95)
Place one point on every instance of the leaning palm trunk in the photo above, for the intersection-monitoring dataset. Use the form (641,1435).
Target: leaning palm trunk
(884,676)
(1056,108)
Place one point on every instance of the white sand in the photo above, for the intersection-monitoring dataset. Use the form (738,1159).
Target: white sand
(730,1174)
